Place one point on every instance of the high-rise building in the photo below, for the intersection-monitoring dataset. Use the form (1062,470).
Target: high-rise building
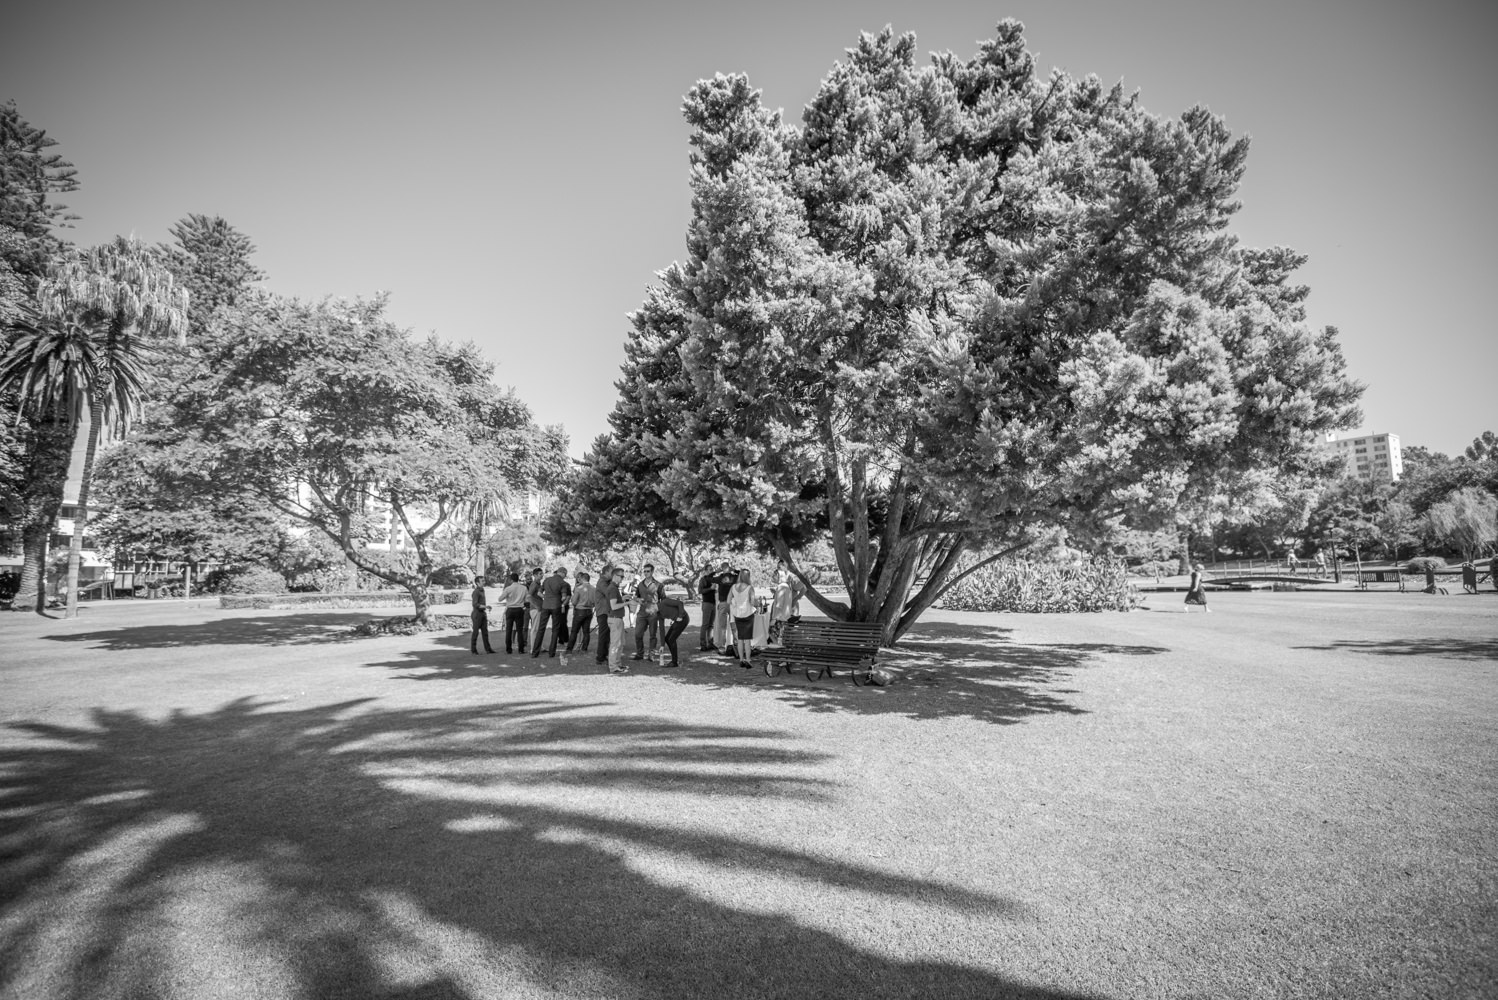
(1374,457)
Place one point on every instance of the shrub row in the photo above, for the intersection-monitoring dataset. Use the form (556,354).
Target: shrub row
(1029,585)
(355,599)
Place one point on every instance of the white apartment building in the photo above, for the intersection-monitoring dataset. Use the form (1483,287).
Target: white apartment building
(1374,457)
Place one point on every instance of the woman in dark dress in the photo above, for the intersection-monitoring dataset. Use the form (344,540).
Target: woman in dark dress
(1195,594)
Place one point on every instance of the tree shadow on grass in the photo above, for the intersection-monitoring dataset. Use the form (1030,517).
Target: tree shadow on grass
(939,670)
(261,630)
(944,669)
(521,849)
(1442,646)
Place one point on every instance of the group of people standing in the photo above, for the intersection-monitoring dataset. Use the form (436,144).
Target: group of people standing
(730,606)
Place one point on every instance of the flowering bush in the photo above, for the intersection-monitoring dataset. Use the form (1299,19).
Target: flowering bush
(1030,585)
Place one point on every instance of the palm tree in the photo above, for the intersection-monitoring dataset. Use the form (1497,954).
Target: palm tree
(86,351)
(482,516)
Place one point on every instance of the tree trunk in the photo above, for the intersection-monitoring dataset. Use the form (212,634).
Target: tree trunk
(43,478)
(422,600)
(80,519)
(31,592)
(1184,565)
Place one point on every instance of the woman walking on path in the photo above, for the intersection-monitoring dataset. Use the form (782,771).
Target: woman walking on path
(1194,593)
(741,607)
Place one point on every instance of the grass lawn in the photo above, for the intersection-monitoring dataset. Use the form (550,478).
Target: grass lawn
(1295,796)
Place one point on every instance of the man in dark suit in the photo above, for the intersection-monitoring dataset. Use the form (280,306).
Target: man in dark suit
(480,617)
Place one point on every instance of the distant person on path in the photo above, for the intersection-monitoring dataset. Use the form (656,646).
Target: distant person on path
(1469,577)
(1320,563)
(583,597)
(555,592)
(741,606)
(615,616)
(674,619)
(480,617)
(515,596)
(1430,578)
(725,581)
(1194,592)
(707,590)
(1294,562)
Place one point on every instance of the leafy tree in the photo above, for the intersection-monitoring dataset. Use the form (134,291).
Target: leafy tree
(514,548)
(34,449)
(600,509)
(1467,520)
(1484,446)
(960,305)
(1347,516)
(1434,477)
(343,422)
(147,516)
(1398,528)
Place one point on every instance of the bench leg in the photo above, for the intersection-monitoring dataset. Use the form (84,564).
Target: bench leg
(863,673)
(813,673)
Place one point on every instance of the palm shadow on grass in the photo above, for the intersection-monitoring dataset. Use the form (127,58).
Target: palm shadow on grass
(345,851)
(940,670)
(260,630)
(1443,646)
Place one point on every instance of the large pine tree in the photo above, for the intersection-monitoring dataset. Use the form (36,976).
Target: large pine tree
(959,304)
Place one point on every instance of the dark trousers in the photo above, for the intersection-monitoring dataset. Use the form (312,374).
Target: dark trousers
(582,624)
(603,639)
(709,613)
(673,633)
(645,623)
(514,629)
(480,628)
(558,629)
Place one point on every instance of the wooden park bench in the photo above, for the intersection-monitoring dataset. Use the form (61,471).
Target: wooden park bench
(821,647)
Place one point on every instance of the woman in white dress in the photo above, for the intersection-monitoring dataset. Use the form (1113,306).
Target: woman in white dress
(741,606)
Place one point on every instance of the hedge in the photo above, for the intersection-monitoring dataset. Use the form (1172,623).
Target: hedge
(352,599)
(1027,585)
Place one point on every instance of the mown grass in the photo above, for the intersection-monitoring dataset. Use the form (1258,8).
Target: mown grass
(1290,798)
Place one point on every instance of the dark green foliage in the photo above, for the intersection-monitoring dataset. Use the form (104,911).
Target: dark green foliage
(1026,585)
(333,417)
(250,580)
(959,306)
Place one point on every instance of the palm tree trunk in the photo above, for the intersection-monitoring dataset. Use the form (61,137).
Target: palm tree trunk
(80,521)
(44,476)
(31,594)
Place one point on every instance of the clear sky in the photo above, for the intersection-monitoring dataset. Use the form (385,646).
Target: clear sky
(516,174)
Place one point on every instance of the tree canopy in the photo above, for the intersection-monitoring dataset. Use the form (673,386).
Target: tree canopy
(336,418)
(959,304)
